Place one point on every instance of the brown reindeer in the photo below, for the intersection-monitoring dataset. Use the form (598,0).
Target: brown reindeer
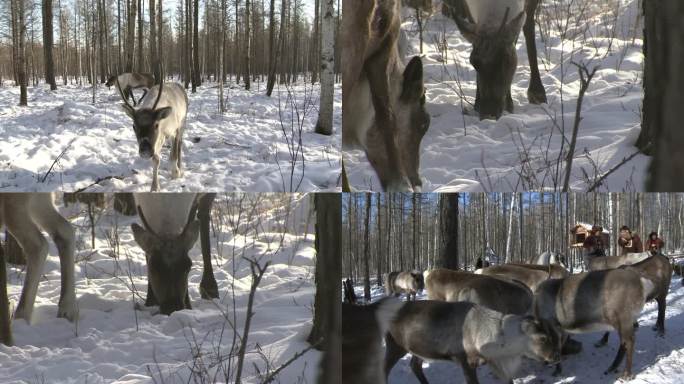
(466,334)
(502,295)
(363,328)
(383,102)
(658,270)
(531,277)
(595,301)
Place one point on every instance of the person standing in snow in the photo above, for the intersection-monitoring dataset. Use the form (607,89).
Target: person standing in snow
(629,242)
(654,244)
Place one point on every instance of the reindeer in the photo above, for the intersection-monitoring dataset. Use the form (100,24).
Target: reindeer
(658,270)
(383,106)
(363,328)
(498,293)
(467,334)
(595,301)
(169,231)
(492,27)
(531,277)
(409,283)
(156,120)
(24,215)
(611,262)
(127,82)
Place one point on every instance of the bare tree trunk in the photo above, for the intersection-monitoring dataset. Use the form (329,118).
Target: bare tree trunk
(448,205)
(130,36)
(328,265)
(195,47)
(141,64)
(48,44)
(21,50)
(325,117)
(271,50)
(509,235)
(316,51)
(247,47)
(366,251)
(153,43)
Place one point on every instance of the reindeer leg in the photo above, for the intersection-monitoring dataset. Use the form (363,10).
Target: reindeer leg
(536,94)
(660,323)
(469,371)
(5,325)
(417,368)
(62,233)
(393,352)
(208,286)
(155,173)
(629,346)
(35,248)
(618,358)
(175,158)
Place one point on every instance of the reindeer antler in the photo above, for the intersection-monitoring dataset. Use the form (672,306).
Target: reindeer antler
(505,19)
(123,97)
(161,88)
(145,223)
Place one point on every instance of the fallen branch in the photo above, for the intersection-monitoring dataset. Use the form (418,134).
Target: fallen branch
(624,161)
(57,159)
(296,356)
(98,181)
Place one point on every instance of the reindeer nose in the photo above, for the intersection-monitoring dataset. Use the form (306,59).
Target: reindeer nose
(145,149)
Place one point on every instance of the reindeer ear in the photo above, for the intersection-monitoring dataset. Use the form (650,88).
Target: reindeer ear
(412,88)
(468,28)
(144,238)
(190,233)
(163,113)
(512,29)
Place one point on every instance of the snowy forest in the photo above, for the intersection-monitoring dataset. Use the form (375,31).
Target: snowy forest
(396,232)
(259,76)
(266,322)
(421,247)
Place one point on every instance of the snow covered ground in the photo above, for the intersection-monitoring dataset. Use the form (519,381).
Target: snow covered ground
(114,343)
(656,360)
(520,151)
(246,149)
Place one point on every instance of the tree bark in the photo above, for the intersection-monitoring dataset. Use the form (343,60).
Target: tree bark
(366,251)
(247,48)
(324,125)
(48,44)
(326,323)
(195,47)
(153,43)
(448,203)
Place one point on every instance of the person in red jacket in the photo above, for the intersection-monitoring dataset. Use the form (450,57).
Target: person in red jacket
(655,244)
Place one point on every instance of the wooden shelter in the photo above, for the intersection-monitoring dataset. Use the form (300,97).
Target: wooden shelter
(580,231)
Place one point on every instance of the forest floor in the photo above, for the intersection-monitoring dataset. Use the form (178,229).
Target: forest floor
(656,359)
(64,141)
(521,150)
(112,342)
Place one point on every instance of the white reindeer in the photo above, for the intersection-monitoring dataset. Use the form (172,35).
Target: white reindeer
(162,114)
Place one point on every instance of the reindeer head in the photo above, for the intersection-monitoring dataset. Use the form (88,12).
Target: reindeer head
(495,59)
(544,342)
(168,263)
(111,81)
(146,123)
(412,122)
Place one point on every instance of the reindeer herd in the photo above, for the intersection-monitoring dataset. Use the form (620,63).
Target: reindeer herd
(383,99)
(502,313)
(171,225)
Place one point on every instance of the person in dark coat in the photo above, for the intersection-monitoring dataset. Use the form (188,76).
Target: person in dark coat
(629,242)
(654,244)
(593,244)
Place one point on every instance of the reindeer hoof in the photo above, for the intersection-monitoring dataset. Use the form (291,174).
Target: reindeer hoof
(626,376)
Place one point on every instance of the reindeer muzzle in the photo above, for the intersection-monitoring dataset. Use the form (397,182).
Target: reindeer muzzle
(145,149)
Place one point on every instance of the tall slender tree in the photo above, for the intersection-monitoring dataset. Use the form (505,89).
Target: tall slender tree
(48,44)
(325,117)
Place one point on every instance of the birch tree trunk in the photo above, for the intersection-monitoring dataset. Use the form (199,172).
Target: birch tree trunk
(325,117)
(509,235)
